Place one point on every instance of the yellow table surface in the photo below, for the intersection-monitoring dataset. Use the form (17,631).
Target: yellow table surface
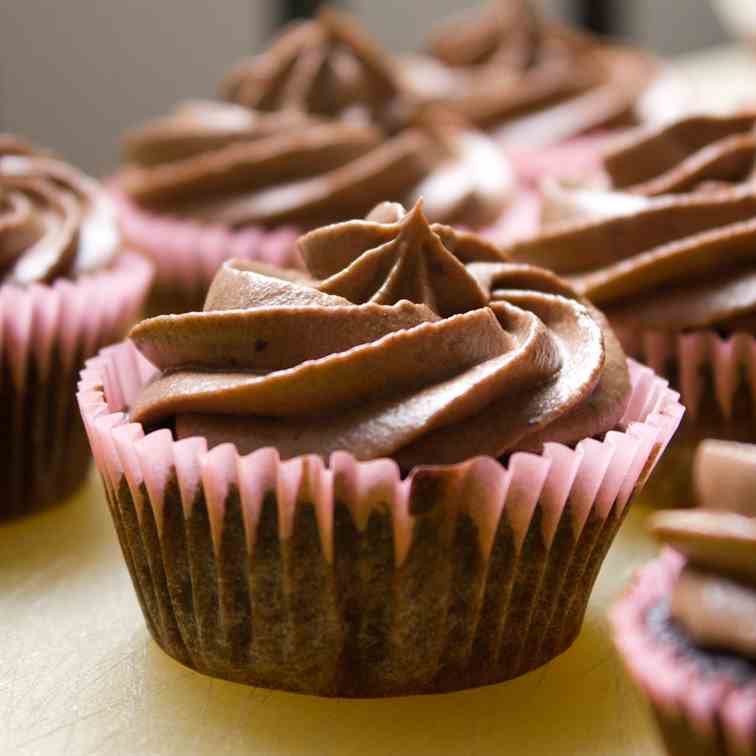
(79,673)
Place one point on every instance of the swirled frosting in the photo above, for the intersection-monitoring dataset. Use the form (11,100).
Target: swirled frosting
(678,263)
(319,172)
(505,67)
(692,154)
(401,350)
(54,221)
(321,129)
(326,67)
(714,598)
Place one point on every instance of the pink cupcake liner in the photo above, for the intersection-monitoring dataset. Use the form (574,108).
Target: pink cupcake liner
(187,254)
(704,365)
(46,334)
(343,578)
(716,377)
(698,712)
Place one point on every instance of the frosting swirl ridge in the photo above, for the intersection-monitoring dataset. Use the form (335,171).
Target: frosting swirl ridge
(326,67)
(680,262)
(401,350)
(54,221)
(714,597)
(504,66)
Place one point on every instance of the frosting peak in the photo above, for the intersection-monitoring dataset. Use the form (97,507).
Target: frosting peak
(325,67)
(402,351)
(54,221)
(386,262)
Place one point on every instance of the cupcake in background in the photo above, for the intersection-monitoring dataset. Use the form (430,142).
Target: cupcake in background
(686,629)
(550,94)
(67,289)
(696,153)
(677,280)
(422,436)
(318,129)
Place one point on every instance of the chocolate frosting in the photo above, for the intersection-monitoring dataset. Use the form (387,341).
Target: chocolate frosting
(690,154)
(677,263)
(714,598)
(247,168)
(54,221)
(320,129)
(401,350)
(326,67)
(503,65)
(699,153)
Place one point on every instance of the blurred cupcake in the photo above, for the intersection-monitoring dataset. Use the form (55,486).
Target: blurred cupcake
(538,86)
(677,279)
(693,154)
(685,629)
(305,478)
(67,289)
(319,130)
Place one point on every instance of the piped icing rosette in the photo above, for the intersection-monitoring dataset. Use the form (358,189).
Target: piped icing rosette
(327,67)
(321,129)
(505,68)
(55,222)
(229,166)
(680,263)
(713,599)
(692,154)
(419,343)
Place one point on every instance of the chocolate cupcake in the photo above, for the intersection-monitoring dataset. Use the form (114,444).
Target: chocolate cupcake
(685,629)
(533,82)
(694,154)
(67,289)
(318,129)
(402,479)
(677,279)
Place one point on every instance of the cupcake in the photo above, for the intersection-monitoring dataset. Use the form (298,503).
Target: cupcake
(694,154)
(399,478)
(677,279)
(317,129)
(685,629)
(67,289)
(551,94)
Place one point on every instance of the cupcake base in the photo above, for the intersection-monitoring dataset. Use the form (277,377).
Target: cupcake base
(717,379)
(703,706)
(46,334)
(346,579)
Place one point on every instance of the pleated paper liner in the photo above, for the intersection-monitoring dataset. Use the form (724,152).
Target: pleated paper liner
(716,377)
(186,254)
(698,711)
(346,579)
(46,334)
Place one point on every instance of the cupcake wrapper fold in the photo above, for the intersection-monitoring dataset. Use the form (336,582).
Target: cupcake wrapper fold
(46,334)
(186,254)
(716,377)
(345,578)
(698,712)
(703,365)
